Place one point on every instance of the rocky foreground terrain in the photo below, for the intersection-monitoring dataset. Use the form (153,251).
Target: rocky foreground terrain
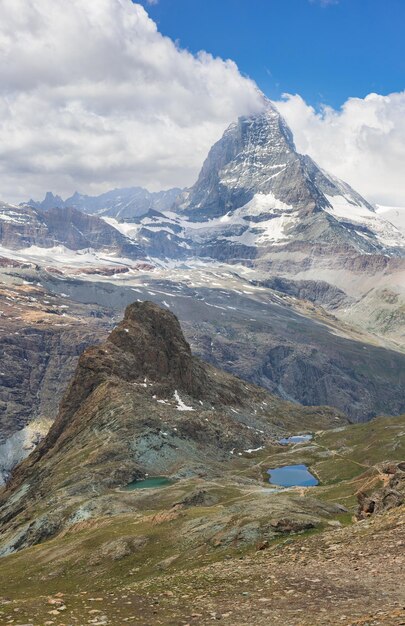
(231,549)
(219,542)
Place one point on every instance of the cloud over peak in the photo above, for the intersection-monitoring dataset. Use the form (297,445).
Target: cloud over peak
(93,96)
(362,143)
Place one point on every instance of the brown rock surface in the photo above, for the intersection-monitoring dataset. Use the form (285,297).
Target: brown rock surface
(389,496)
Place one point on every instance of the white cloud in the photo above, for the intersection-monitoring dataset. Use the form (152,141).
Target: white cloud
(92,96)
(362,143)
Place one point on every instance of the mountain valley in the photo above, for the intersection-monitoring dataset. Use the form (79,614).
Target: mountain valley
(177,338)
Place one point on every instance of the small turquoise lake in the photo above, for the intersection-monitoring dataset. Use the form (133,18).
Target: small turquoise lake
(292,476)
(148,483)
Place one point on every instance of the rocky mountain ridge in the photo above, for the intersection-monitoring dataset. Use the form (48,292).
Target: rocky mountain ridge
(23,227)
(140,404)
(123,203)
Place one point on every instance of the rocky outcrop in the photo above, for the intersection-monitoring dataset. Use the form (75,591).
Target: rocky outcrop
(389,496)
(24,226)
(140,403)
(317,291)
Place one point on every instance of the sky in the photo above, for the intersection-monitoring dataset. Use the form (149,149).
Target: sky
(99,94)
(324,50)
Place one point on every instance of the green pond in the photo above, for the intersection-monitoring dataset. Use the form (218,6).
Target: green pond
(149,483)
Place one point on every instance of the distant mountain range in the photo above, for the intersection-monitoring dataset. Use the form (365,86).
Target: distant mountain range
(23,227)
(120,203)
(254,194)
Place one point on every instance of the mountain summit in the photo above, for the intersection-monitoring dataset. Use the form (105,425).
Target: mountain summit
(262,192)
(256,155)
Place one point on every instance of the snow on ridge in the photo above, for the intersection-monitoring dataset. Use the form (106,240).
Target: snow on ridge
(394,215)
(13,214)
(272,229)
(154,224)
(384,229)
(125,228)
(344,207)
(62,256)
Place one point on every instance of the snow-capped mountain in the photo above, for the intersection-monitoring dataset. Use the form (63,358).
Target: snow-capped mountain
(255,194)
(24,227)
(255,190)
(120,203)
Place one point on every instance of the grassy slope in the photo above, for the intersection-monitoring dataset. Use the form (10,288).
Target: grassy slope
(79,564)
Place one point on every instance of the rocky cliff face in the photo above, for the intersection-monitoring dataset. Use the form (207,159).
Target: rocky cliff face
(22,227)
(140,403)
(256,155)
(17,447)
(42,335)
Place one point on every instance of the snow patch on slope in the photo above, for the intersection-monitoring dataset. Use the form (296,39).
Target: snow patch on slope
(125,228)
(254,233)
(344,209)
(60,256)
(394,215)
(262,203)
(181,406)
